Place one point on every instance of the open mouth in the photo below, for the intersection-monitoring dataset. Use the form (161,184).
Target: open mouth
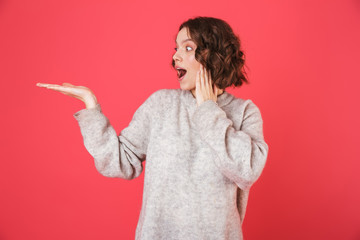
(181,73)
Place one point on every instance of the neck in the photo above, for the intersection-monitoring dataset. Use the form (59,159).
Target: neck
(193,91)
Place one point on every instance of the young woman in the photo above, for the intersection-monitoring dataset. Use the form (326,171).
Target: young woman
(204,147)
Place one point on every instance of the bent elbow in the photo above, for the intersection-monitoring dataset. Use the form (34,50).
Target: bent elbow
(259,157)
(112,174)
(257,164)
(117,172)
(105,170)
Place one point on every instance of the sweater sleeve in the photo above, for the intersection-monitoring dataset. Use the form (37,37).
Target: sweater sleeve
(116,156)
(241,154)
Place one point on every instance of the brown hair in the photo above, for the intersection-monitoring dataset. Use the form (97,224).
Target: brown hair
(218,50)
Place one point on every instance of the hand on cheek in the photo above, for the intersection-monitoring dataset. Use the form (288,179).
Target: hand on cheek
(204,89)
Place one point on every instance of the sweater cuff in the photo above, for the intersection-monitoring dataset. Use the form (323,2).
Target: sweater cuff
(206,115)
(85,114)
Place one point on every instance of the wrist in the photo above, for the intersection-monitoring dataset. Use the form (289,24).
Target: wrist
(90,102)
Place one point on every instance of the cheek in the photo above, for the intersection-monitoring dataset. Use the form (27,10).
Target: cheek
(194,63)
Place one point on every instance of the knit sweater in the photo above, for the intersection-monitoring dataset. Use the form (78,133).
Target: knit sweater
(200,161)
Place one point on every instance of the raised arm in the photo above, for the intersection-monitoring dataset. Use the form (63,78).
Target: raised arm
(114,156)
(241,154)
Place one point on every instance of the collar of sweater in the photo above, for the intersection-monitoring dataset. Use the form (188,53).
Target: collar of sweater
(222,99)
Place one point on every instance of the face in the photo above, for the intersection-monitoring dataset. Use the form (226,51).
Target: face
(185,62)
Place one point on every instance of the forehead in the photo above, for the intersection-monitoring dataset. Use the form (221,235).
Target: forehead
(182,35)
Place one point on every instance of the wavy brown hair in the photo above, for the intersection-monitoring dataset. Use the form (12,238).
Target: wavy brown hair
(218,50)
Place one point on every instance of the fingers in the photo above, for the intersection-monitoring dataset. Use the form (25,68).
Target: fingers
(53,87)
(206,82)
(204,88)
(82,93)
(45,85)
(202,78)
(67,89)
(197,83)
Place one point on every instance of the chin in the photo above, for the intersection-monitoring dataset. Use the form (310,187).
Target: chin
(184,84)
(186,87)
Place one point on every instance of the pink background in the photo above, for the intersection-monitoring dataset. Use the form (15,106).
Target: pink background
(304,64)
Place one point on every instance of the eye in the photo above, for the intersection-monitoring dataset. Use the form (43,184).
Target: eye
(187,48)
(175,49)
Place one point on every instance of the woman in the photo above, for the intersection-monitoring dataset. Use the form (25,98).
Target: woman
(204,147)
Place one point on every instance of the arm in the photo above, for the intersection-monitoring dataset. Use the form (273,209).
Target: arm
(116,156)
(241,154)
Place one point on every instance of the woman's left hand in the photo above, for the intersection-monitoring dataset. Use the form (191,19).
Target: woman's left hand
(204,90)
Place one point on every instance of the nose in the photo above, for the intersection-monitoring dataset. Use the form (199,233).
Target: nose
(177,56)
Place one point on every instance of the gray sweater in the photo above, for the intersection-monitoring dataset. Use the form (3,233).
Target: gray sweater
(200,161)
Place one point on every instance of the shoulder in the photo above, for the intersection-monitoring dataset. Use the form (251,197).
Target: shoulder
(164,95)
(160,98)
(166,92)
(245,107)
(237,102)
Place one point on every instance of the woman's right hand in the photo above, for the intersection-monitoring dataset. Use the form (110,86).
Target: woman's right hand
(79,92)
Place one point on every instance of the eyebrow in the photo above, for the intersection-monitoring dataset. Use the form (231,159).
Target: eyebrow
(186,40)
